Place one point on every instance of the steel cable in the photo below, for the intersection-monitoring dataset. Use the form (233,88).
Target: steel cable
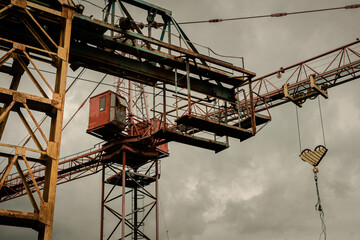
(28,137)
(319,208)
(72,117)
(272,15)
(322,123)
(298,127)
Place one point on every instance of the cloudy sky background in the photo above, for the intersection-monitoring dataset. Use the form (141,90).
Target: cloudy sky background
(257,189)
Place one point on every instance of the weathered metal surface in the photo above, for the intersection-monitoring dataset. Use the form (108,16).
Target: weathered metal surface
(219,128)
(132,181)
(343,65)
(119,54)
(172,135)
(38,40)
(70,168)
(148,6)
(142,72)
(81,165)
(19,219)
(259,120)
(107,115)
(94,35)
(101,27)
(33,102)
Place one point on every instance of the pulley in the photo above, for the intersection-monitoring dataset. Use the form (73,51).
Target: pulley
(300,97)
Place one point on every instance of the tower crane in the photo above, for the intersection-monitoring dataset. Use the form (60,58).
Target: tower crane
(197,100)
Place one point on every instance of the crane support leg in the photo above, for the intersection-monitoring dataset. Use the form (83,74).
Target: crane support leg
(57,47)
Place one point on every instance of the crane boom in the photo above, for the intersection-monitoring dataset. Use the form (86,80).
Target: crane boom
(327,70)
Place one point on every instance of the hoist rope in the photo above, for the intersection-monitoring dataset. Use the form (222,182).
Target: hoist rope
(77,77)
(165,224)
(322,123)
(298,127)
(319,208)
(84,102)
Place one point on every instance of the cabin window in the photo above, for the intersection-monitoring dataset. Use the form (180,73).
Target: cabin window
(102,104)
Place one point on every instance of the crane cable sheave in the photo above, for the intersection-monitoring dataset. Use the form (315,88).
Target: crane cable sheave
(299,98)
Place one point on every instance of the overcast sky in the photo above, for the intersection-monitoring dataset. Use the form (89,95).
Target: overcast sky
(257,189)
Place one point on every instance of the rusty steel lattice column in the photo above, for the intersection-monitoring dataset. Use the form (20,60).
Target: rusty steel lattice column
(44,47)
(128,200)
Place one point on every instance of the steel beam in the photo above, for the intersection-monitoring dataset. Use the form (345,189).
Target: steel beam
(53,147)
(106,46)
(19,219)
(117,65)
(100,27)
(148,6)
(60,14)
(17,71)
(132,180)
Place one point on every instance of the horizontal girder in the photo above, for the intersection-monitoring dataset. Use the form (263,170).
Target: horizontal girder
(343,65)
(92,48)
(117,65)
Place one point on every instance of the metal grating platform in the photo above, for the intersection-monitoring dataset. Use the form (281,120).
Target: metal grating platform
(106,132)
(136,155)
(171,135)
(259,118)
(132,179)
(220,129)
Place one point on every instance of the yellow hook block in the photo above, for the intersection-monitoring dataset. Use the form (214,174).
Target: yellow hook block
(314,157)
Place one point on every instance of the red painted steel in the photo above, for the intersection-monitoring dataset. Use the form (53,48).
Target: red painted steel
(107,115)
(99,117)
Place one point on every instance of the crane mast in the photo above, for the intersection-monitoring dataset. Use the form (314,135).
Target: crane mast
(170,91)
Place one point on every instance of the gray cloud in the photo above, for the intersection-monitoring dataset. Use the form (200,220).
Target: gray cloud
(258,189)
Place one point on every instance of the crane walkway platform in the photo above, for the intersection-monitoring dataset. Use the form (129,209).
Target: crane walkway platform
(172,135)
(132,179)
(259,119)
(219,128)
